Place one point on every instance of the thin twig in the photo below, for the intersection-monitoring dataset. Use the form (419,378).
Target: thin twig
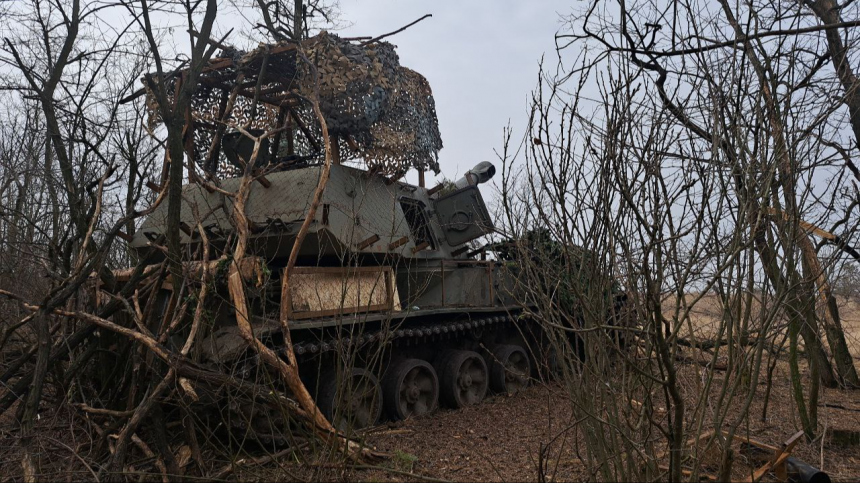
(401,29)
(75,454)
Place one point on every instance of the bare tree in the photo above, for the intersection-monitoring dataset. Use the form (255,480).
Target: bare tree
(295,19)
(112,336)
(59,65)
(679,149)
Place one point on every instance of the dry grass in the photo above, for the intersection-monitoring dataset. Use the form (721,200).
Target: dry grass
(707,311)
(849,310)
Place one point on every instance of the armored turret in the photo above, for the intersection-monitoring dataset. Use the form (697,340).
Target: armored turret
(361,215)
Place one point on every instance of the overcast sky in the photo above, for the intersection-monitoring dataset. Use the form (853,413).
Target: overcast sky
(480,57)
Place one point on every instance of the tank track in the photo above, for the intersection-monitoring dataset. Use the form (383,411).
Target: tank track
(419,334)
(436,331)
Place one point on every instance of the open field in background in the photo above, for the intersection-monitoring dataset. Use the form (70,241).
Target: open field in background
(849,310)
(707,311)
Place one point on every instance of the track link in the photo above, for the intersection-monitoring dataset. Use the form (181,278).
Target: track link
(435,331)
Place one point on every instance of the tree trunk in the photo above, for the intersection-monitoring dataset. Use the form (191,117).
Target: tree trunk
(34,396)
(786,180)
(827,12)
(174,199)
(832,322)
(297,19)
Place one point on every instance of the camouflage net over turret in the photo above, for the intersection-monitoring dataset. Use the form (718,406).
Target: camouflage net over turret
(387,109)
(378,111)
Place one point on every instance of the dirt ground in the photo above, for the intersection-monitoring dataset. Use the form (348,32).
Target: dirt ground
(499,440)
(503,439)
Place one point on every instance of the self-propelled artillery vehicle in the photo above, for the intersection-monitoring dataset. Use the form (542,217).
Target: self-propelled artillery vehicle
(390,306)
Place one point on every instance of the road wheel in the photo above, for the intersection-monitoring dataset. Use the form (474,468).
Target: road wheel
(510,369)
(463,379)
(352,402)
(410,388)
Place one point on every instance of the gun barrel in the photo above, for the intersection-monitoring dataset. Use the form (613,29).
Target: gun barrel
(481,173)
(801,472)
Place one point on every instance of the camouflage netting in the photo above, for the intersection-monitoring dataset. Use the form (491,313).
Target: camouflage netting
(381,113)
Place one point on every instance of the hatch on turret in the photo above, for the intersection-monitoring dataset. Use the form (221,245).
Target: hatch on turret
(463,215)
(415,212)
